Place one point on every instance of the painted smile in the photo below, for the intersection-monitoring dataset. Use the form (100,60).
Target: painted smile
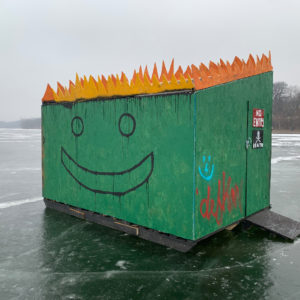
(114,183)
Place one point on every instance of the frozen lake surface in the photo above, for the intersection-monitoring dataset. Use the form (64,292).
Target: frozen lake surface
(45,254)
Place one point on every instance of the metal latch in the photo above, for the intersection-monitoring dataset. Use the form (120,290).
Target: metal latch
(248,143)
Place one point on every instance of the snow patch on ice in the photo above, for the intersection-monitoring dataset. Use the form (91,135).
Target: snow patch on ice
(19,169)
(19,202)
(284,158)
(109,274)
(285,140)
(121,264)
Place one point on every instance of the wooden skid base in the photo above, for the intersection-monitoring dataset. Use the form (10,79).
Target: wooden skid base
(155,236)
(265,218)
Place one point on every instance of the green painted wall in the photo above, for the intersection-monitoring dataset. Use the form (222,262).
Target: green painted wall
(153,160)
(163,126)
(231,181)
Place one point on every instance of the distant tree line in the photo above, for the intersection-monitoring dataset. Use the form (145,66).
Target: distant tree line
(30,123)
(286,107)
(286,110)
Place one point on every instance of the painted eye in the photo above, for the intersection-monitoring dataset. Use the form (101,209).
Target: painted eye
(77,126)
(127,125)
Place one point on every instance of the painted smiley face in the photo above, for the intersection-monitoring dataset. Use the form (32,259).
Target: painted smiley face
(100,181)
(207,172)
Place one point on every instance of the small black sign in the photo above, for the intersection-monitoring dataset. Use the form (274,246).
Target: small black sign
(257,139)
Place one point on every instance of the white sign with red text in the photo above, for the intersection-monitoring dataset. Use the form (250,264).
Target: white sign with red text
(258,117)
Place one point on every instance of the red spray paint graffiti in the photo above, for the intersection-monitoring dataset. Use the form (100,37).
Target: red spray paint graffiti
(231,196)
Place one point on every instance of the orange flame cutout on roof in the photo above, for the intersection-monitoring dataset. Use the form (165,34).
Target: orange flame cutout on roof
(141,83)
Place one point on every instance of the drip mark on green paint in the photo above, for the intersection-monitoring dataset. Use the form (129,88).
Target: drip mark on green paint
(147,190)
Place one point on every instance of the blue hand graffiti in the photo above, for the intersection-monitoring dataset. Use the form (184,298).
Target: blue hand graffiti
(205,174)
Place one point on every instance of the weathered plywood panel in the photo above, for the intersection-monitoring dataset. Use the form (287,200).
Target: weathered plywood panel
(231,180)
(130,158)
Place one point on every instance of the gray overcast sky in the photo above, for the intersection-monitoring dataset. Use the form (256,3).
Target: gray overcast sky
(49,41)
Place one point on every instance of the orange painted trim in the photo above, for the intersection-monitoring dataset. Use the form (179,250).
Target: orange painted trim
(49,94)
(194,77)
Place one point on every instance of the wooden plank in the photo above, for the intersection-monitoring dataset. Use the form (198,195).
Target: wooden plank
(276,223)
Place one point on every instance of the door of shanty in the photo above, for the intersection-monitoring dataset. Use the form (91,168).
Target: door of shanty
(259,151)
(221,143)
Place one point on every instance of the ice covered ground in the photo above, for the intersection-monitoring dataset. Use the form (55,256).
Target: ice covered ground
(48,255)
(289,145)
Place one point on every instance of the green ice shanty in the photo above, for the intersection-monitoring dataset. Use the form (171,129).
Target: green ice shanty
(172,158)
